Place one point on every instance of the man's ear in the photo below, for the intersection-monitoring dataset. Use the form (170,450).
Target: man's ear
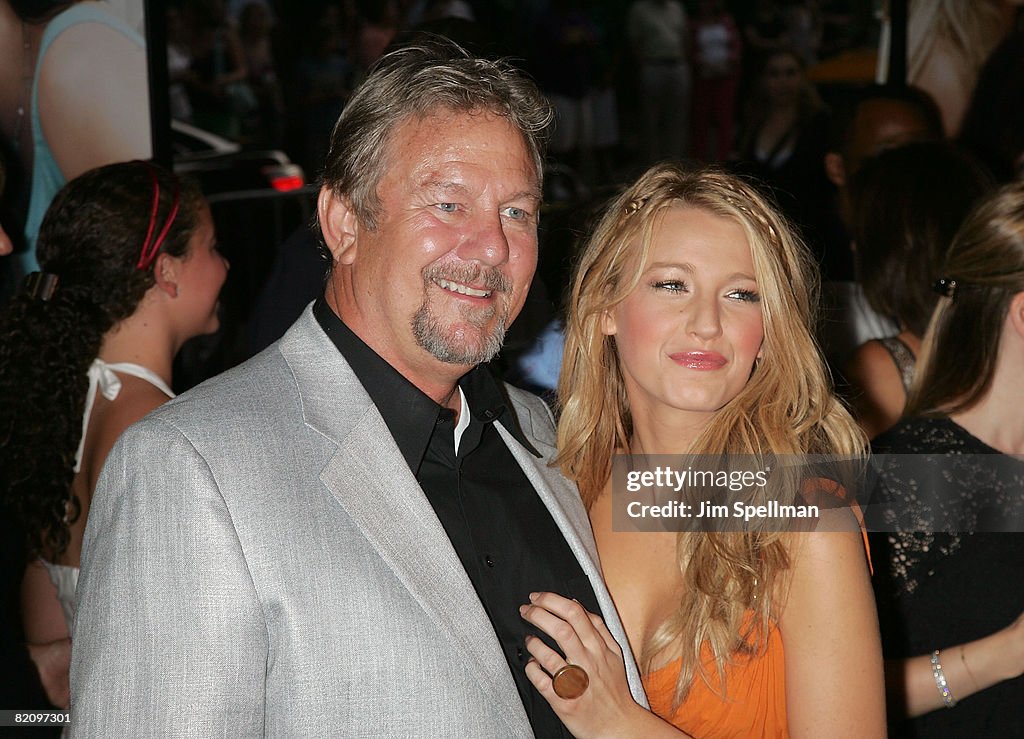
(835,169)
(339,225)
(166,270)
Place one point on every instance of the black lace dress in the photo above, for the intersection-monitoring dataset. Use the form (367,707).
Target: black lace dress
(957,573)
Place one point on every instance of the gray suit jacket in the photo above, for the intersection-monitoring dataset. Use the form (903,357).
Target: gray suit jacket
(260,560)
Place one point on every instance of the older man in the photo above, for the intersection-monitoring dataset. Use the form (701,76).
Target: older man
(335,538)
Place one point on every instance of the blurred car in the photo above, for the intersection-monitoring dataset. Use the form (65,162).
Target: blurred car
(222,166)
(257,198)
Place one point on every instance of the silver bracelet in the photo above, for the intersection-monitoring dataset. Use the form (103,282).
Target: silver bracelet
(940,681)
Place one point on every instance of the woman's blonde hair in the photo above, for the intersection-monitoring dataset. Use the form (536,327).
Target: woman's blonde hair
(787,406)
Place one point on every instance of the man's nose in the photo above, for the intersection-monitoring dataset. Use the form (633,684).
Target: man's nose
(485,241)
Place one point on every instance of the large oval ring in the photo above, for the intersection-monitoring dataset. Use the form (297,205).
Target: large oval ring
(570,682)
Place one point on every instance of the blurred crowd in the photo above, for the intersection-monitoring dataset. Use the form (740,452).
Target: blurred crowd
(793,96)
(648,79)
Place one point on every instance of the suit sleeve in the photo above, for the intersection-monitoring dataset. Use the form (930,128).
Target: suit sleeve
(170,638)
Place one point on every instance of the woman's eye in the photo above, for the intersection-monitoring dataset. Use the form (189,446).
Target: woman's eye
(747,296)
(675,286)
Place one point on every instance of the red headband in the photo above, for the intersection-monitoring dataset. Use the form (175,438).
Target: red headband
(150,248)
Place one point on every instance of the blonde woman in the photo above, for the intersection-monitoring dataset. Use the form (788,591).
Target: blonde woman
(689,332)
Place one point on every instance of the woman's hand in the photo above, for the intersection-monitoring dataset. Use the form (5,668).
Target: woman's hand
(606,707)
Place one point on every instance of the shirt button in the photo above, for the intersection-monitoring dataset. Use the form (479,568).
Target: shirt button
(519,654)
(488,560)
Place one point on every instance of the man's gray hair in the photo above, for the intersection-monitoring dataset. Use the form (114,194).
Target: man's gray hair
(414,81)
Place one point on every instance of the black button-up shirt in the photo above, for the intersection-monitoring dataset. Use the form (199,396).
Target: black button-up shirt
(498,525)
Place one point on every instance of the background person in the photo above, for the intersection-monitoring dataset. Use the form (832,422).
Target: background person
(882,117)
(658,34)
(340,531)
(948,41)
(783,141)
(73,96)
(993,126)
(715,48)
(955,544)
(129,254)
(906,205)
(689,306)
(22,673)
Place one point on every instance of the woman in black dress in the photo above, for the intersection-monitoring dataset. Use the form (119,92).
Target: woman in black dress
(949,552)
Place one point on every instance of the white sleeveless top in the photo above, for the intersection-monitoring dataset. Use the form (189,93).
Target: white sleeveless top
(102,377)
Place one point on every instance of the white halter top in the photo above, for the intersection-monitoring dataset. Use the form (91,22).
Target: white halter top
(102,376)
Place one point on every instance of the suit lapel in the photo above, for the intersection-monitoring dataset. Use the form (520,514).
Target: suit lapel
(381,496)
(370,479)
(563,503)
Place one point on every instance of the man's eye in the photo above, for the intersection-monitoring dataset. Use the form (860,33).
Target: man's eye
(517,214)
(447,207)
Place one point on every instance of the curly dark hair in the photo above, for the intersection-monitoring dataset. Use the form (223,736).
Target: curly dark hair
(91,240)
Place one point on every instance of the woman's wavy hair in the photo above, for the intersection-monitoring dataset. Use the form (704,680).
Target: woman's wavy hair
(90,239)
(986,261)
(786,407)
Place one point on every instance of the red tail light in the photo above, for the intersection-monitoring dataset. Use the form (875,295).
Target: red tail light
(285,183)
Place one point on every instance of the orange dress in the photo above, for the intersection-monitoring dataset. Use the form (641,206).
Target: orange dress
(754,703)
(755,697)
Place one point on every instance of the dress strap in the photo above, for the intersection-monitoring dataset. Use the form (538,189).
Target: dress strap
(902,357)
(103,377)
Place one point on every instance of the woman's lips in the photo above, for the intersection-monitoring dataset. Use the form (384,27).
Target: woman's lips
(699,360)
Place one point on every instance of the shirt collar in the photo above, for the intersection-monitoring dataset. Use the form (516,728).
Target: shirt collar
(408,412)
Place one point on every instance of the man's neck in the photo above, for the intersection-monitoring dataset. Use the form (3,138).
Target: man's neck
(436,379)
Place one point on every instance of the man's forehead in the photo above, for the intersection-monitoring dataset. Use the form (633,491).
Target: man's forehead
(437,182)
(433,145)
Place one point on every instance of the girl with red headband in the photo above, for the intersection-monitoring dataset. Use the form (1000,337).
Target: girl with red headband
(130,272)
